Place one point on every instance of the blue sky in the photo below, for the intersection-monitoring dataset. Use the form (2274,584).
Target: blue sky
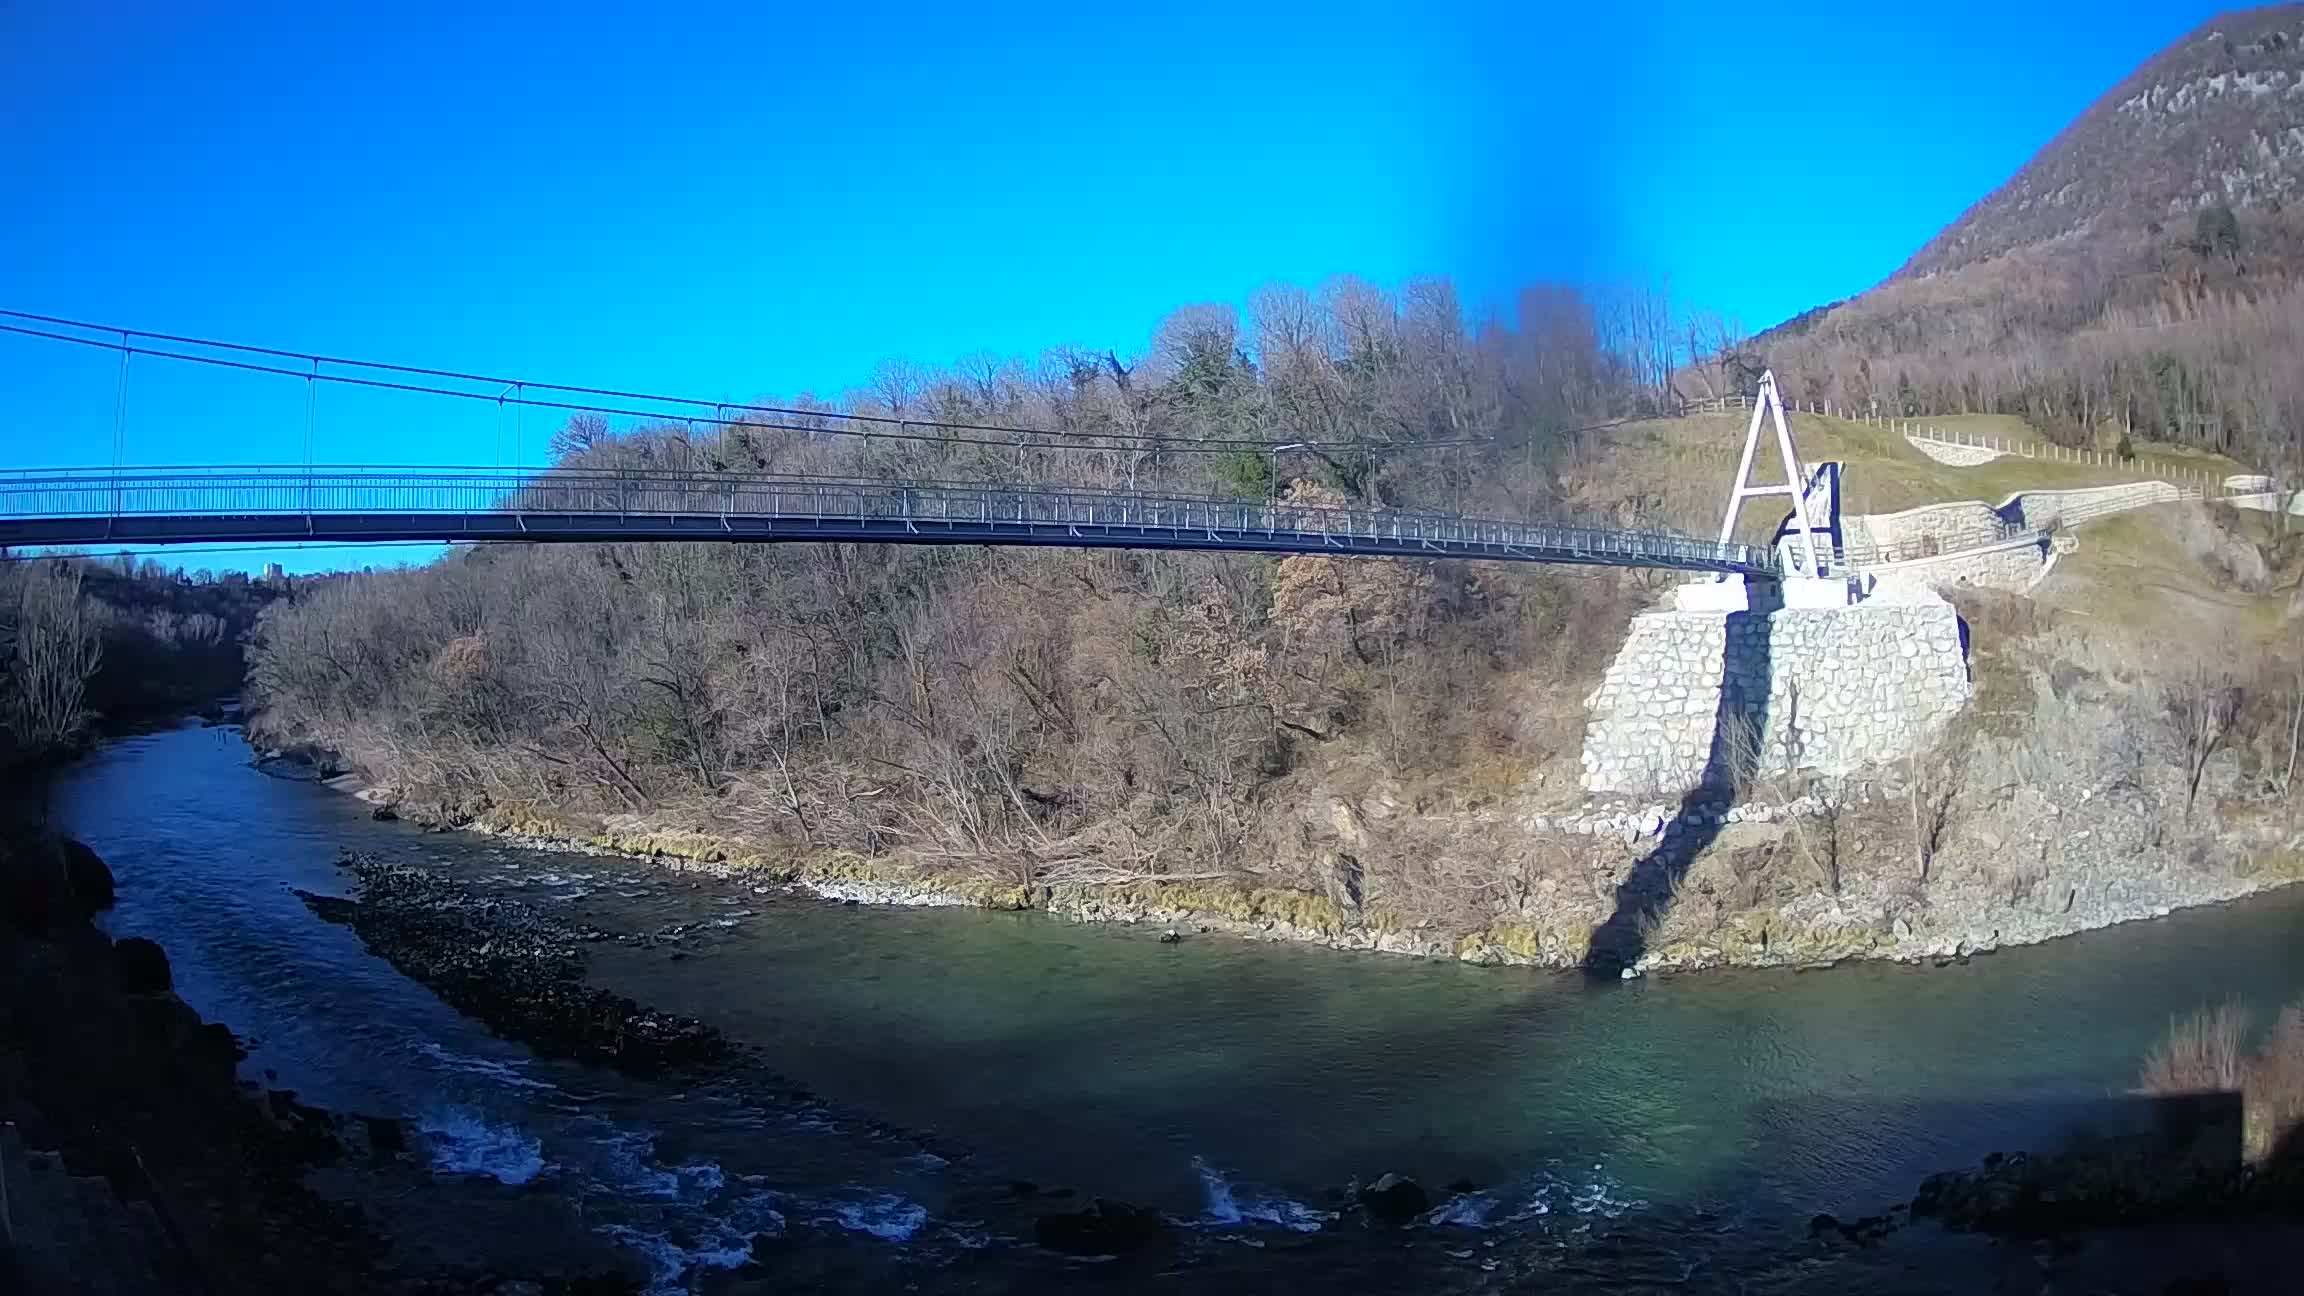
(744,201)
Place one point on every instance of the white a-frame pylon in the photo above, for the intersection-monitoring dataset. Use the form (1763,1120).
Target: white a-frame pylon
(1769,405)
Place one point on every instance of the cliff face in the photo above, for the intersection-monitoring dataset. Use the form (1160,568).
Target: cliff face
(2216,119)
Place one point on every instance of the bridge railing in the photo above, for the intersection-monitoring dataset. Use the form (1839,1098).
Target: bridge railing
(941,507)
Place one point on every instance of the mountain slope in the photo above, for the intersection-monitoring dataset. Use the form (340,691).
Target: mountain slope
(2215,119)
(2141,278)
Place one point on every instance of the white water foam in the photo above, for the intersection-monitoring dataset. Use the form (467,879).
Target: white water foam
(1227,1206)
(500,1072)
(1602,1196)
(701,1176)
(1464,1210)
(629,1169)
(884,1215)
(464,1142)
(1586,1194)
(671,1261)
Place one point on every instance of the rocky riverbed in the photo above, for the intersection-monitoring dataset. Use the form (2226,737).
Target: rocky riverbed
(514,968)
(1619,1135)
(2030,871)
(137,1160)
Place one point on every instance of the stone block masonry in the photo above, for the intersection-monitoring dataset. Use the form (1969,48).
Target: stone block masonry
(1828,691)
(2014,565)
(1955,454)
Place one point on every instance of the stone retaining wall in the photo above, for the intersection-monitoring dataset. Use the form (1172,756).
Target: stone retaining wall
(1827,690)
(1954,454)
(2044,508)
(2015,566)
(1957,525)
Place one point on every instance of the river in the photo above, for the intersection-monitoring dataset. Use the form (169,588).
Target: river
(1664,1129)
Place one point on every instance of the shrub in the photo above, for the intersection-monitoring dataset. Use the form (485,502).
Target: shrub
(2207,1053)
(2202,1053)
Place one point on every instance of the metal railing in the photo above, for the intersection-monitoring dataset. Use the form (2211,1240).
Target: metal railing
(171,504)
(1856,557)
(1855,560)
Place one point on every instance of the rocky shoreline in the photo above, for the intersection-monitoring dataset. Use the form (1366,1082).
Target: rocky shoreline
(463,919)
(136,1159)
(514,969)
(1867,920)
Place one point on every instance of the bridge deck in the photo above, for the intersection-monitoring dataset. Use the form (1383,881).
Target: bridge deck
(155,506)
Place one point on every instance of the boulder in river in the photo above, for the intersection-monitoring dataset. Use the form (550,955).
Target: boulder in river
(1102,1228)
(1394,1200)
(90,879)
(143,967)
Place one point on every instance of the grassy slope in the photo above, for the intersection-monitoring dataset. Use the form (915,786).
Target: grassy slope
(2130,576)
(1689,463)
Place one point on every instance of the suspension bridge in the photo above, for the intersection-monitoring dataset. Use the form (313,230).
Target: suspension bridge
(122,505)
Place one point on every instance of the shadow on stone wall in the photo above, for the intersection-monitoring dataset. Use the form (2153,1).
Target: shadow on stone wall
(1738,722)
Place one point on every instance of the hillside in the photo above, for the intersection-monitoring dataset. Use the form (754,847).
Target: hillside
(2215,119)
(1363,752)
(2141,278)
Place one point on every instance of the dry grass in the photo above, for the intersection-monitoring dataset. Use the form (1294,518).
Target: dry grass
(2208,1052)
(2131,574)
(1682,467)
(2276,1076)
(2202,1053)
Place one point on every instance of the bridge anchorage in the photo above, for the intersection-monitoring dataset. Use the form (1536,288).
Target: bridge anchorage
(1812,568)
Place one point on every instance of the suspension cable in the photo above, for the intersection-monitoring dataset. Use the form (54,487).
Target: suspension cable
(903,426)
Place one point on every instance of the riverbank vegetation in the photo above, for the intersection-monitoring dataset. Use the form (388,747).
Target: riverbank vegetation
(2219,1139)
(88,647)
(1368,737)
(2217,1051)
(1110,715)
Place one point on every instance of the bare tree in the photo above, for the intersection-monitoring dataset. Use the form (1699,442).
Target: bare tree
(56,650)
(2203,1053)
(2202,706)
(583,433)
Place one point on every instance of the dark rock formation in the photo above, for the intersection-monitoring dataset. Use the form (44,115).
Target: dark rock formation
(143,967)
(88,876)
(1102,1228)
(515,969)
(1394,1200)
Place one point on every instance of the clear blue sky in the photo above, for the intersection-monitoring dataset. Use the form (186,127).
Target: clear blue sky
(741,202)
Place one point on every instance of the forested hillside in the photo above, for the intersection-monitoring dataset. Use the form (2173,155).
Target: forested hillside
(2139,278)
(1107,714)
(89,647)
(2210,121)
